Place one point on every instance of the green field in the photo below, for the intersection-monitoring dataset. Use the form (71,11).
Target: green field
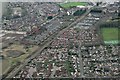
(110,35)
(72,4)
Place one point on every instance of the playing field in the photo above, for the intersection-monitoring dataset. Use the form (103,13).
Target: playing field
(110,35)
(72,4)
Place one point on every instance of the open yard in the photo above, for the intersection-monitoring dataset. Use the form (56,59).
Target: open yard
(4,65)
(10,61)
(19,47)
(72,4)
(110,35)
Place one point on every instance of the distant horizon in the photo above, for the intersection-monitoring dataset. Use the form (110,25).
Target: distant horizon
(110,1)
(1,1)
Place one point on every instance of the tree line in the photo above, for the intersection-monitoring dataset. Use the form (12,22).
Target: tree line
(110,24)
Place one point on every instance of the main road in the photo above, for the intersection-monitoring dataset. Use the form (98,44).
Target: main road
(17,69)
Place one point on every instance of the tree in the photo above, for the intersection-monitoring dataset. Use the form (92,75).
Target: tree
(49,17)
(79,12)
(119,14)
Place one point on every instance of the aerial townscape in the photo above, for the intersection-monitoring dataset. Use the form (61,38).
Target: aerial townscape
(60,40)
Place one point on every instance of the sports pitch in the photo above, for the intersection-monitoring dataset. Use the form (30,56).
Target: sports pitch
(110,35)
(72,4)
